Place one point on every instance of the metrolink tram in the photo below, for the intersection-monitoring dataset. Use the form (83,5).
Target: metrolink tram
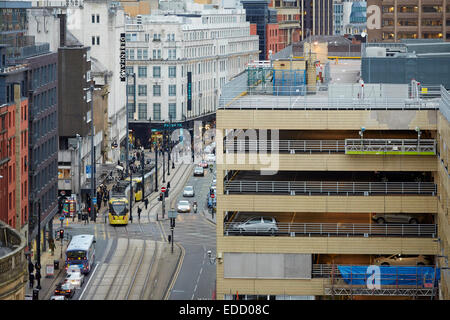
(118,211)
(140,191)
(119,200)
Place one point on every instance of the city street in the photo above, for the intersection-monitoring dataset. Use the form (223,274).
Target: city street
(135,262)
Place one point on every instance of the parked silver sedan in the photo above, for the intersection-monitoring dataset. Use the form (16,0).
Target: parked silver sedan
(257,224)
(404,218)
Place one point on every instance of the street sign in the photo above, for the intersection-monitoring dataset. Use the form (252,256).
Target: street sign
(163,189)
(94,200)
(50,270)
(212,196)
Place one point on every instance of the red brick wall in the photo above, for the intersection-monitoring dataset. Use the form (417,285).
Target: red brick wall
(253,29)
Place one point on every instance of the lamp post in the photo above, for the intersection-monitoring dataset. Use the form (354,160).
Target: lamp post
(91,89)
(361,134)
(79,172)
(38,260)
(419,133)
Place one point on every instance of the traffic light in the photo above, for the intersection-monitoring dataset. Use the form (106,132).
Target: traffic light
(61,234)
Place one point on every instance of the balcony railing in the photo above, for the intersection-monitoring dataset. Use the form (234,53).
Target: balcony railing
(334,230)
(390,146)
(349,146)
(329,188)
(284,146)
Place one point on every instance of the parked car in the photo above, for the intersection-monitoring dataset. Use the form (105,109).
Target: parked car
(399,260)
(382,218)
(57,298)
(199,171)
(203,164)
(65,289)
(184,206)
(257,224)
(76,278)
(188,191)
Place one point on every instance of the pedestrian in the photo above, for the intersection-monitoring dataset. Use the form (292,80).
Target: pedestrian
(31,277)
(38,277)
(51,244)
(168,185)
(146,203)
(139,213)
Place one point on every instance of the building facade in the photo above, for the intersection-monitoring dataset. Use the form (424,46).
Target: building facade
(98,24)
(212,45)
(395,20)
(305,193)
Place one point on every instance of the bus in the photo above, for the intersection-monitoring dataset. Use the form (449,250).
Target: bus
(81,252)
(118,211)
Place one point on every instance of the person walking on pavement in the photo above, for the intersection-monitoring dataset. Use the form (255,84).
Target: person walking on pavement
(31,275)
(146,203)
(139,213)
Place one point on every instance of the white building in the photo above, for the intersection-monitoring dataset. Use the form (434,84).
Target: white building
(349,17)
(214,44)
(98,24)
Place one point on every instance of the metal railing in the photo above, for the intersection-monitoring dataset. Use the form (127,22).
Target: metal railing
(329,187)
(375,146)
(289,146)
(334,230)
(390,146)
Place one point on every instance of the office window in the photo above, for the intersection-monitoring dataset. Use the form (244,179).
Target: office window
(142,72)
(139,54)
(93,41)
(130,89)
(172,111)
(129,70)
(93,18)
(157,111)
(98,18)
(142,111)
(98,40)
(157,72)
(172,71)
(142,90)
(156,90)
(172,90)
(145,54)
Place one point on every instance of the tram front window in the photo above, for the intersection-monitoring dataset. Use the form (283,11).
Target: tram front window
(119,209)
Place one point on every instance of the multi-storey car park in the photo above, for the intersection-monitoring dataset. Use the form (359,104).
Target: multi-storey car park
(356,177)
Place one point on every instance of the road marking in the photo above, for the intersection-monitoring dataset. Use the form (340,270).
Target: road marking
(87,284)
(177,272)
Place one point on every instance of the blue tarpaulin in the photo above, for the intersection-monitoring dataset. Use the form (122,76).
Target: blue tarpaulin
(389,275)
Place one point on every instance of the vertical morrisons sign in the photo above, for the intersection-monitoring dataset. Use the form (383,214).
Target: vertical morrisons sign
(122,57)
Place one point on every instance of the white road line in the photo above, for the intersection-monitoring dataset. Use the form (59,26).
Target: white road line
(87,284)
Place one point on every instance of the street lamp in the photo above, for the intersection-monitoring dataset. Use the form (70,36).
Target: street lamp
(361,134)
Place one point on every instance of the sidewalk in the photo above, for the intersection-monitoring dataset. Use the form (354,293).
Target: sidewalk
(48,283)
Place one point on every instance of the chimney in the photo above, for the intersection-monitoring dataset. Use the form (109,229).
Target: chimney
(62,29)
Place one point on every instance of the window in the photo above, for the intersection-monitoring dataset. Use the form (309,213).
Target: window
(93,18)
(145,54)
(93,41)
(172,111)
(156,72)
(172,71)
(157,111)
(157,90)
(172,90)
(142,111)
(142,72)
(142,90)
(129,70)
(98,40)
(130,89)
(98,18)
